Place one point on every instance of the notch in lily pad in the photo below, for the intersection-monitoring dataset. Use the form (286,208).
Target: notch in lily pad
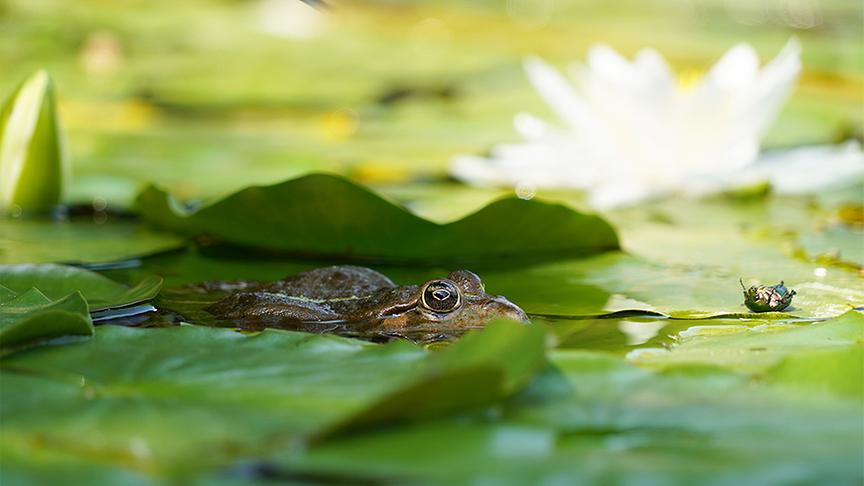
(34,168)
(105,297)
(30,318)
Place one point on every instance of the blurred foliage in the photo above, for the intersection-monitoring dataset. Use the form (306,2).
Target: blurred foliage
(170,92)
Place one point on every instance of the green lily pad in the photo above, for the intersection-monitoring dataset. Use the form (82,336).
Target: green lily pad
(187,397)
(31,317)
(58,280)
(6,294)
(328,216)
(597,419)
(759,348)
(839,243)
(618,282)
(472,368)
(24,466)
(823,371)
(32,241)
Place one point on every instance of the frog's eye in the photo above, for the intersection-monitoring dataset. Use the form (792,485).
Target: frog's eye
(440,296)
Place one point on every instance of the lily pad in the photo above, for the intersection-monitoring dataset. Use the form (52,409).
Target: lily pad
(839,243)
(186,397)
(759,348)
(823,371)
(471,369)
(595,419)
(328,216)
(24,467)
(58,280)
(31,317)
(32,241)
(617,282)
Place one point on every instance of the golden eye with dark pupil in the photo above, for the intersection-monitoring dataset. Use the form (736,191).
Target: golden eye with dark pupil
(441,296)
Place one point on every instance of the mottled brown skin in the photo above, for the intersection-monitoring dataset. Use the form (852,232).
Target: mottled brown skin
(369,301)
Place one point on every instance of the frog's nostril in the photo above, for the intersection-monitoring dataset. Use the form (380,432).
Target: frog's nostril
(503,307)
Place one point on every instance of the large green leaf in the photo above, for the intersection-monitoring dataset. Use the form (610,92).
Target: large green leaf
(328,216)
(759,348)
(31,317)
(25,467)
(33,163)
(594,419)
(833,370)
(186,397)
(58,280)
(36,241)
(842,244)
(480,368)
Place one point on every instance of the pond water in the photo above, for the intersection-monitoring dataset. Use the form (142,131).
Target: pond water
(597,320)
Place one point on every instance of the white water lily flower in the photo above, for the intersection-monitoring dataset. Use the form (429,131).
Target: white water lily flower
(629,130)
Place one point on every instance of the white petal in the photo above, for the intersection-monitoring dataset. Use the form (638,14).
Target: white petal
(808,169)
(774,84)
(654,68)
(607,64)
(557,92)
(477,171)
(736,68)
(619,194)
(530,127)
(290,19)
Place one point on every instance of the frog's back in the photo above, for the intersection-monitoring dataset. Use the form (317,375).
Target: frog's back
(336,282)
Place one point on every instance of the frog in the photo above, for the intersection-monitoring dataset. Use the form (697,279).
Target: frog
(366,300)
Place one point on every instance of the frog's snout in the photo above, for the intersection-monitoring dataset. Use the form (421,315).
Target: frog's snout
(499,306)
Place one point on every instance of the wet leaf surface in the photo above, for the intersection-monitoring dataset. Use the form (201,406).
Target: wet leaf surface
(760,347)
(58,280)
(31,318)
(187,397)
(96,241)
(594,419)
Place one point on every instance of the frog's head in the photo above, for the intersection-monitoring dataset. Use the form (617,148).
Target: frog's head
(459,301)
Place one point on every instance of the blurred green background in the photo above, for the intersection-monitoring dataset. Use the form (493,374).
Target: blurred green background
(204,97)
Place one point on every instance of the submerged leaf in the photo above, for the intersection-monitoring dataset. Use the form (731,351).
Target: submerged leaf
(33,165)
(328,216)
